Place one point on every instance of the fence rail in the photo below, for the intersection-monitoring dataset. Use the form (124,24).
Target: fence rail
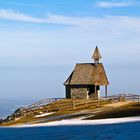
(42,103)
(85,102)
(131,97)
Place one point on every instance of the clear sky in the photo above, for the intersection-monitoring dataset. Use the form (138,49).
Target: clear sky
(41,40)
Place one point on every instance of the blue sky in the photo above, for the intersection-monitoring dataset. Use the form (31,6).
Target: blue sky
(59,33)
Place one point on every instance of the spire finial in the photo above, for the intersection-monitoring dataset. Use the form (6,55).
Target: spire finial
(96,55)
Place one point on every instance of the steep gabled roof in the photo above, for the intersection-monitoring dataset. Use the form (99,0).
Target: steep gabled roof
(86,74)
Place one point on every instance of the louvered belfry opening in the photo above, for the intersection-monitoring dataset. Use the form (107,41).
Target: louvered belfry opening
(96,56)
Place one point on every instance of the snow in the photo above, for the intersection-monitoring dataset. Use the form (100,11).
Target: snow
(105,129)
(43,115)
(84,122)
(17,119)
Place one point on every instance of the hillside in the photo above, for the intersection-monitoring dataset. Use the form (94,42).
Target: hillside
(71,109)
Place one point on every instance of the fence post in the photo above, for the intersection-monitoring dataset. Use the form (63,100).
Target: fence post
(97,101)
(73,105)
(86,102)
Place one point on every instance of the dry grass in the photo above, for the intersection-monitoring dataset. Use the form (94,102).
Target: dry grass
(68,108)
(120,110)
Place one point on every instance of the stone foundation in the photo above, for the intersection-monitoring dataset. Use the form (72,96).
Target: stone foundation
(79,93)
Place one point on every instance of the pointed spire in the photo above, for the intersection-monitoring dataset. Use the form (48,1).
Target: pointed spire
(96,55)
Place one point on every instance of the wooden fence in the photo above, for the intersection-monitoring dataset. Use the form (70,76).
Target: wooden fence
(42,103)
(130,97)
(68,104)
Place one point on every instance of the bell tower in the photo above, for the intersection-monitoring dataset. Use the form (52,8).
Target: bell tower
(96,56)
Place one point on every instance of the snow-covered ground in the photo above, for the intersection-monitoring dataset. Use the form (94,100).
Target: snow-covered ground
(84,122)
(43,115)
(106,129)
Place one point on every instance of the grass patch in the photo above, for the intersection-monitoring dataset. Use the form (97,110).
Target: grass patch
(130,110)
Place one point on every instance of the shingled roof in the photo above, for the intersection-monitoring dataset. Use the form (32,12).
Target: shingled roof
(88,74)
